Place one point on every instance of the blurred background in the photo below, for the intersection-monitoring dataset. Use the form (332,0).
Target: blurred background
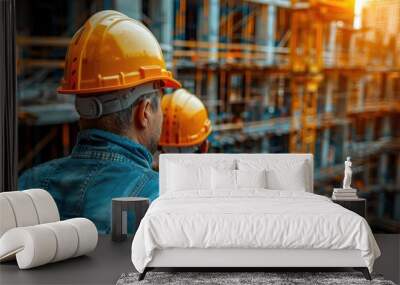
(319,76)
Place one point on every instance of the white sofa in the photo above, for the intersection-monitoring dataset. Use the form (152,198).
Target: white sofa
(31,231)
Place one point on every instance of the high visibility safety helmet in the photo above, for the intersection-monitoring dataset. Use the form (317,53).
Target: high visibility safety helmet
(186,121)
(112,52)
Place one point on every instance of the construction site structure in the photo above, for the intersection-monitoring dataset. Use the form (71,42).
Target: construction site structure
(275,75)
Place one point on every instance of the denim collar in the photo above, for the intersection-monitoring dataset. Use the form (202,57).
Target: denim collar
(104,141)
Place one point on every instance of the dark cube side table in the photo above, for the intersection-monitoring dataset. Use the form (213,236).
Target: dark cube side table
(358,205)
(120,208)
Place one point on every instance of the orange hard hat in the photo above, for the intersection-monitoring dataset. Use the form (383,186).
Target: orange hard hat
(186,121)
(112,52)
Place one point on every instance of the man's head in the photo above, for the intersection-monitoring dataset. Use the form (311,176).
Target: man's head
(186,125)
(140,120)
(115,67)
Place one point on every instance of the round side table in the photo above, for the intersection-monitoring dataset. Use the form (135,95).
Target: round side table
(120,208)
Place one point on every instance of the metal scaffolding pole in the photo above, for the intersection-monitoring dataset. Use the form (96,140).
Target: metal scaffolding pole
(213,40)
(271,26)
(213,30)
(325,147)
(162,25)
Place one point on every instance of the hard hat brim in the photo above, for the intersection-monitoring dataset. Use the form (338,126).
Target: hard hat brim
(168,83)
(172,83)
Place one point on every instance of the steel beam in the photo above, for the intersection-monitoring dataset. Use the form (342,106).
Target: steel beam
(162,19)
(325,147)
(213,30)
(271,26)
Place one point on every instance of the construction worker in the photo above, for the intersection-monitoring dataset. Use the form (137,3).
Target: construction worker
(115,67)
(186,125)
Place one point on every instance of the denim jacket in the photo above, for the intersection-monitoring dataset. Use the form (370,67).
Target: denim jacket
(102,166)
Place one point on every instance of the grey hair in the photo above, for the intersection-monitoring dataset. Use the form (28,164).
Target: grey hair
(123,117)
(120,122)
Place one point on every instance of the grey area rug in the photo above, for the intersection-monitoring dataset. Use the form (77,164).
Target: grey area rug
(228,278)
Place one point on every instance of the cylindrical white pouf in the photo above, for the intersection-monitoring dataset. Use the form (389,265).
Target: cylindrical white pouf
(40,244)
(45,205)
(23,208)
(34,245)
(87,234)
(67,239)
(7,218)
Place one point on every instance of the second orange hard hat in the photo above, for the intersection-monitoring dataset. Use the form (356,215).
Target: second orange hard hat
(112,52)
(186,121)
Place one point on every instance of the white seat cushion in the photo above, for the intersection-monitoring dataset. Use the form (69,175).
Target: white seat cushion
(45,205)
(66,237)
(23,208)
(7,220)
(26,208)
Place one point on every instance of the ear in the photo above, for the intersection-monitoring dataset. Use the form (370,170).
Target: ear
(142,114)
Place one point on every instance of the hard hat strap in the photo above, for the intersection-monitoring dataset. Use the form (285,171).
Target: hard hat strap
(96,106)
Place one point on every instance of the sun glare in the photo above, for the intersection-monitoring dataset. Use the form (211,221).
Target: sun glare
(358,13)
